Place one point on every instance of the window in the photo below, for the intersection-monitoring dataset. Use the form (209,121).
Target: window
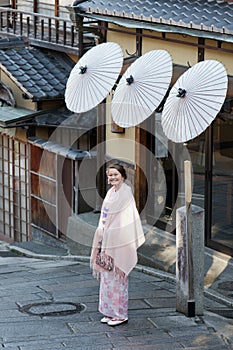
(14,189)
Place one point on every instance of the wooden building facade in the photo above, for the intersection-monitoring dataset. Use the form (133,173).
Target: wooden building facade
(153,162)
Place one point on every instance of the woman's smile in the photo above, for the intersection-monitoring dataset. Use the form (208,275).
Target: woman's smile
(115,178)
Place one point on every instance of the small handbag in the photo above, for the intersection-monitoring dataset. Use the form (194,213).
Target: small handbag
(104,261)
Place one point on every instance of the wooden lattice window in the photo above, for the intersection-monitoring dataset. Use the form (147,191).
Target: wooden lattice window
(14,189)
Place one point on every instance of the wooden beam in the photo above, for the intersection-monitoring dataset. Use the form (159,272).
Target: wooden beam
(35,6)
(140,183)
(56,8)
(100,157)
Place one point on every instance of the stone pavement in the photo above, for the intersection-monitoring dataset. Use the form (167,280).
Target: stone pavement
(51,304)
(159,252)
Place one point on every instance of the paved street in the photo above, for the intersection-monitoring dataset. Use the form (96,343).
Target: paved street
(41,302)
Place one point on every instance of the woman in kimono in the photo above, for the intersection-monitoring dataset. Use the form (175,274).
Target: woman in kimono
(114,251)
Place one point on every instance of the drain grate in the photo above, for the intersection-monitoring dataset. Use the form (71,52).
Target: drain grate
(52,308)
(225,312)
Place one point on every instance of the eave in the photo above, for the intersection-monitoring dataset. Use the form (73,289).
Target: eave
(161,25)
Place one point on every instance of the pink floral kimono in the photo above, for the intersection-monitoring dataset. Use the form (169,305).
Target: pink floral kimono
(120,233)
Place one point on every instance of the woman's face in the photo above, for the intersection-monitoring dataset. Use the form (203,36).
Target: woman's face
(114,177)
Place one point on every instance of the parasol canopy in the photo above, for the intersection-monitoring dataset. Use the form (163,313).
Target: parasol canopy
(194,101)
(142,88)
(93,77)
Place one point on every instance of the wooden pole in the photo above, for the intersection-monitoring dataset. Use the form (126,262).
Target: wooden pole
(189,239)
(100,157)
(140,183)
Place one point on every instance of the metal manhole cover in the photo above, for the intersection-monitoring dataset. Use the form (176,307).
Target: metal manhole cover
(226,285)
(52,308)
(225,312)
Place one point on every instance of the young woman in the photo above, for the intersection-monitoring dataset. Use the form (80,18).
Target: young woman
(115,244)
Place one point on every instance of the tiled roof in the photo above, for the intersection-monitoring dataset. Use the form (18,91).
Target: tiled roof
(64,151)
(11,116)
(67,119)
(39,73)
(206,15)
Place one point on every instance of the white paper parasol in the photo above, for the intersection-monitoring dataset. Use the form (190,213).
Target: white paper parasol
(93,77)
(142,88)
(194,101)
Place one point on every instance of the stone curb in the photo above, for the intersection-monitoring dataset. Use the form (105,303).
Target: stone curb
(30,254)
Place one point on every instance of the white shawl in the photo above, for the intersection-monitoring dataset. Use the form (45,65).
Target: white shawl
(122,234)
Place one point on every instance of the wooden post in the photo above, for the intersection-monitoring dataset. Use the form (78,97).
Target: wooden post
(184,303)
(140,184)
(189,238)
(100,157)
